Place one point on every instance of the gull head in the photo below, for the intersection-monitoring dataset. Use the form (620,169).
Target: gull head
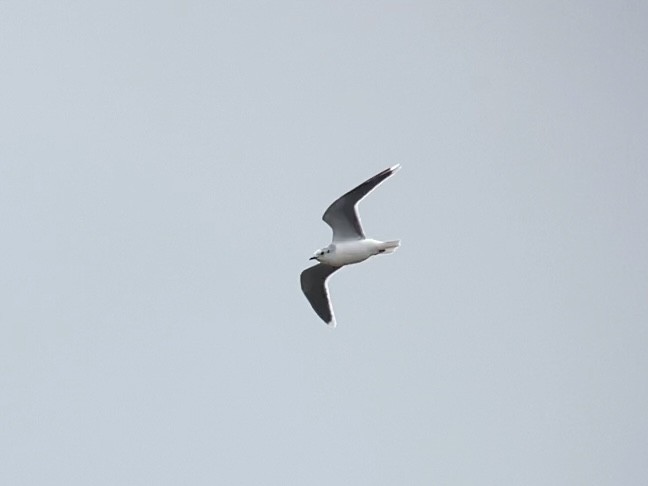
(320,254)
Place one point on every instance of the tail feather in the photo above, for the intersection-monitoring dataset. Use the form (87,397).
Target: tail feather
(389,246)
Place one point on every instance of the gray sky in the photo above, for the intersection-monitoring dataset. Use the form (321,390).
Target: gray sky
(163,170)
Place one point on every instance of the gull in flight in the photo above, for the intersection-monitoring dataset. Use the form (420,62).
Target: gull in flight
(349,245)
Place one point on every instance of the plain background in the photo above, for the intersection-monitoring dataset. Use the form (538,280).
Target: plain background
(163,171)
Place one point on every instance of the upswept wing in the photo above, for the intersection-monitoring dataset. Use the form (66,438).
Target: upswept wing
(342,216)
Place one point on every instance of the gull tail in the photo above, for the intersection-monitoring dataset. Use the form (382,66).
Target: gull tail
(389,246)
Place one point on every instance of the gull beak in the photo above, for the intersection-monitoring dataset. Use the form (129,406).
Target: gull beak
(313,258)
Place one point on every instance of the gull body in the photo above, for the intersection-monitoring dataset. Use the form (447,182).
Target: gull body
(349,252)
(349,245)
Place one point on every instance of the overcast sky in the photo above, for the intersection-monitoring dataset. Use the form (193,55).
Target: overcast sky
(163,171)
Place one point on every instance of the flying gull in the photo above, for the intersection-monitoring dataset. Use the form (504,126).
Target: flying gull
(349,245)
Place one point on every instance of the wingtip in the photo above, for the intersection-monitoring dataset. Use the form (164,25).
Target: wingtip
(394,168)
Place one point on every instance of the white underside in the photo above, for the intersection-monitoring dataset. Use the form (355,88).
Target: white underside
(356,251)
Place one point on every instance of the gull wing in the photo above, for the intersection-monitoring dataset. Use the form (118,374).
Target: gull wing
(313,284)
(342,216)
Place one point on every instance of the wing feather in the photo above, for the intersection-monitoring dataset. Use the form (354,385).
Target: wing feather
(313,284)
(342,216)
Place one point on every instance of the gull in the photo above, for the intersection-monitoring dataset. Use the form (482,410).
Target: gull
(349,245)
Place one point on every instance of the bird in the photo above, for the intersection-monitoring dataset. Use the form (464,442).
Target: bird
(349,245)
